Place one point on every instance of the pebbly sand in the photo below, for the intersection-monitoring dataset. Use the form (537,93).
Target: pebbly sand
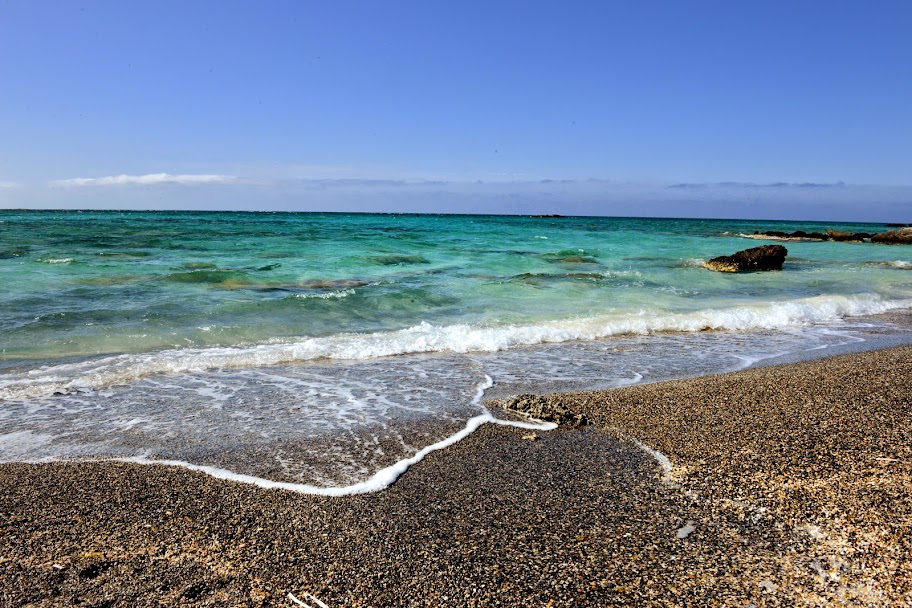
(789,485)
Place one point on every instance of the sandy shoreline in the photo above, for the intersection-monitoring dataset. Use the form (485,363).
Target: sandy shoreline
(790,485)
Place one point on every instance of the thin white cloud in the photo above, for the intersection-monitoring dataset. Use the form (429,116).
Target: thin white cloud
(707,185)
(150,179)
(8,185)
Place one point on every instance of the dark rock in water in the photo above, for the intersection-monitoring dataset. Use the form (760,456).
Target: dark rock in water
(547,408)
(903,236)
(569,256)
(798,235)
(15,252)
(840,235)
(399,260)
(540,278)
(767,257)
(801,235)
(225,278)
(199,266)
(574,259)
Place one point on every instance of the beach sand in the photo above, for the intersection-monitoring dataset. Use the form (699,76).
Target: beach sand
(789,485)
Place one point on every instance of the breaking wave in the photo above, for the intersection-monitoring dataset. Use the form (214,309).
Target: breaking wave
(428,338)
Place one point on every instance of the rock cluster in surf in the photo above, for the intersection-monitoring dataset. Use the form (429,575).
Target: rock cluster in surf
(903,236)
(900,236)
(546,408)
(767,257)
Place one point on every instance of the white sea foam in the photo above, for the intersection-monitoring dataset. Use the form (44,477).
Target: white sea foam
(427,338)
(335,424)
(904,264)
(767,237)
(659,457)
(57,260)
(323,424)
(693,262)
(342,293)
(379,480)
(20,444)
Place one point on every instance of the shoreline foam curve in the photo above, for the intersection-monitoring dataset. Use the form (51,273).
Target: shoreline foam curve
(378,481)
(381,479)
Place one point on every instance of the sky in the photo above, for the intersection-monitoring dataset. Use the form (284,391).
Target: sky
(793,109)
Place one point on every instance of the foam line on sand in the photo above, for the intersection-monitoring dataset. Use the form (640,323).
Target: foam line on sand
(379,480)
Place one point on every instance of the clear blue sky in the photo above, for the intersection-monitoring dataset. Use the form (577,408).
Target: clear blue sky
(264,97)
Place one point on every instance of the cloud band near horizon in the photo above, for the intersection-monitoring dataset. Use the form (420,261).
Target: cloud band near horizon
(149,179)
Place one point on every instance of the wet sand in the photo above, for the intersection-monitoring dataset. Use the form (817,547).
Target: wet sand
(789,485)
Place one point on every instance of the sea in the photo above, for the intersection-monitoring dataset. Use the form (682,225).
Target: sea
(326,352)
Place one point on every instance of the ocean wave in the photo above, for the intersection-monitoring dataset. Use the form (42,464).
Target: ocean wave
(428,338)
(891,264)
(691,263)
(342,293)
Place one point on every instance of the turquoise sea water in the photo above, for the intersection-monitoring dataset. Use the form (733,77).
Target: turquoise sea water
(149,333)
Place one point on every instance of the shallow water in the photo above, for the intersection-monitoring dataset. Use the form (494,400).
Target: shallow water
(320,348)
